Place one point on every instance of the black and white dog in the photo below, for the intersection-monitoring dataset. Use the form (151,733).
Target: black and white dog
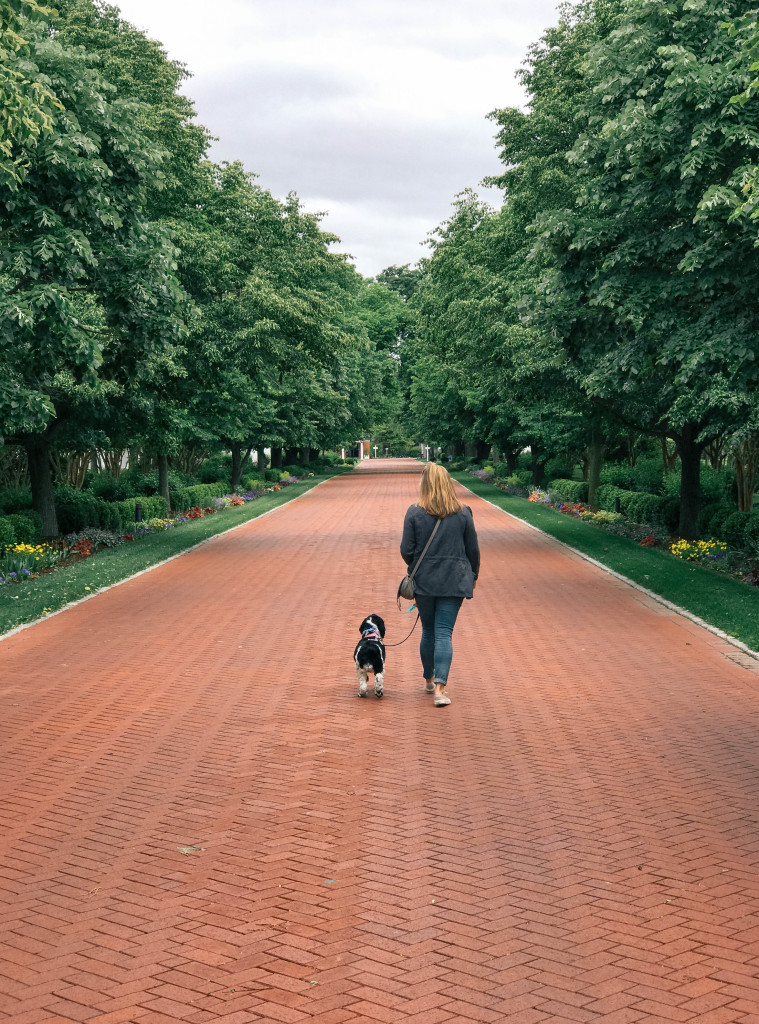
(369,655)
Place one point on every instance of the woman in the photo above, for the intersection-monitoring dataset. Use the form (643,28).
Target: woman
(447,574)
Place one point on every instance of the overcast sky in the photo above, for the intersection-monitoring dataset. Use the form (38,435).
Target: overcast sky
(374,111)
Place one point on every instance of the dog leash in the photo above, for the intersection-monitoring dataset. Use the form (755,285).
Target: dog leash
(403,641)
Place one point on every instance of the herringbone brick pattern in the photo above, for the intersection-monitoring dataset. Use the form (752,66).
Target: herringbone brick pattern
(201,823)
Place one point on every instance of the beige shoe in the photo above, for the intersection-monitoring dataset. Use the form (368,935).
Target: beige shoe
(429,685)
(441,701)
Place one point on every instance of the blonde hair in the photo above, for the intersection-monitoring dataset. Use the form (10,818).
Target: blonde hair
(436,494)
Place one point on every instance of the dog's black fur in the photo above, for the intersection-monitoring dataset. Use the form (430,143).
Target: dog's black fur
(369,655)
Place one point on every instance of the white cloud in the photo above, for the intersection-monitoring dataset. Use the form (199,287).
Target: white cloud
(375,111)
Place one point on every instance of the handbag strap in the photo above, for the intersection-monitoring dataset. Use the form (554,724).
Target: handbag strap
(419,560)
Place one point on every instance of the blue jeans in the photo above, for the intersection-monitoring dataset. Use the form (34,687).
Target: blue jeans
(438,615)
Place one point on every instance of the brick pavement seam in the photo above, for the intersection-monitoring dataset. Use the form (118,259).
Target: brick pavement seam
(631,583)
(164,561)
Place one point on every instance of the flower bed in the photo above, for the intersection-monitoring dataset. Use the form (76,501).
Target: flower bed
(710,552)
(20,562)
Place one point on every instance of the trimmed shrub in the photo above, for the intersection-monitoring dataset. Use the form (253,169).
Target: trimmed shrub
(273,476)
(110,488)
(651,508)
(199,494)
(26,526)
(7,532)
(15,499)
(293,470)
(569,490)
(559,466)
(735,528)
(617,474)
(606,494)
(712,516)
(252,483)
(153,507)
(77,509)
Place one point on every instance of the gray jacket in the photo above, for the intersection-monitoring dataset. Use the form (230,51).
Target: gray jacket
(452,561)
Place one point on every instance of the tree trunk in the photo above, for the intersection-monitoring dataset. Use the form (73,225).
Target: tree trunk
(313,454)
(236,450)
(260,461)
(483,451)
(668,458)
(716,452)
(595,459)
(690,482)
(43,495)
(304,456)
(163,477)
(539,460)
(632,455)
(511,460)
(276,458)
(291,456)
(746,455)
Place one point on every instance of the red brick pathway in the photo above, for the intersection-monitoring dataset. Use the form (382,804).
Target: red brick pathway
(573,839)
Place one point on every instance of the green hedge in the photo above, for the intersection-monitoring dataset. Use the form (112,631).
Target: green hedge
(153,507)
(77,510)
(606,494)
(20,528)
(661,510)
(197,495)
(252,483)
(569,490)
(639,506)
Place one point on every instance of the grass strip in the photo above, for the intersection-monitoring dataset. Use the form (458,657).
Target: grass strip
(26,602)
(723,602)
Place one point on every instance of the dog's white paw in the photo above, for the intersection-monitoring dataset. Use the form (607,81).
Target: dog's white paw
(378,686)
(362,690)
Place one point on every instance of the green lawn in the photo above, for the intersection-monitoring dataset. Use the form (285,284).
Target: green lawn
(721,601)
(26,602)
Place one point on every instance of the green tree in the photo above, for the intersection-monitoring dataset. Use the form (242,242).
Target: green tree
(652,249)
(90,294)
(28,103)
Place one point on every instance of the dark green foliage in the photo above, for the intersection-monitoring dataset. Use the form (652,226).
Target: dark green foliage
(134,482)
(606,494)
(111,488)
(197,495)
(559,467)
(645,475)
(15,499)
(26,526)
(7,533)
(78,510)
(272,475)
(735,528)
(652,508)
(153,506)
(252,483)
(293,470)
(219,467)
(569,490)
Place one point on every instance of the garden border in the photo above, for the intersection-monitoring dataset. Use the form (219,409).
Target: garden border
(164,561)
(714,630)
